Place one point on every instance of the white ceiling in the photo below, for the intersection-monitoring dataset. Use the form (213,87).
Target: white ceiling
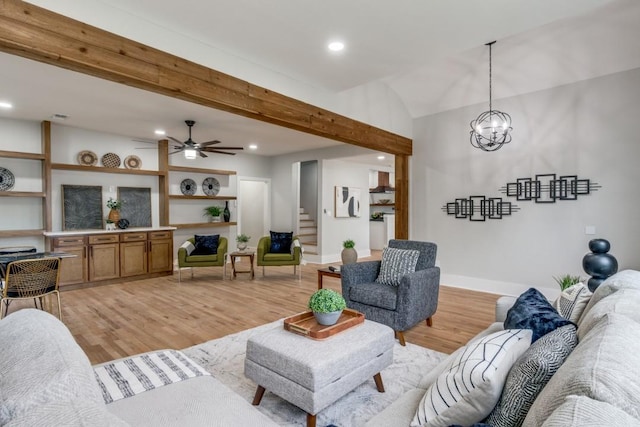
(431,53)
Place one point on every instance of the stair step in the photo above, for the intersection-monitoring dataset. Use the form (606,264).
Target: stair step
(307,223)
(304,216)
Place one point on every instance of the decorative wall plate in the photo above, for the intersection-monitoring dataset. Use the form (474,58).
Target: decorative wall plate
(111,160)
(210,186)
(132,162)
(188,187)
(87,158)
(6,179)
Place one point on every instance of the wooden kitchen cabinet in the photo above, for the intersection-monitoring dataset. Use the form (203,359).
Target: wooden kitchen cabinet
(73,269)
(133,254)
(104,257)
(160,251)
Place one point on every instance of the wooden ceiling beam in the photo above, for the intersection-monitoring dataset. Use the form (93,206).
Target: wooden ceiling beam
(36,33)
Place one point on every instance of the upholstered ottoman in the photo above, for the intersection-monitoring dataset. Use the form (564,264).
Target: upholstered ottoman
(313,374)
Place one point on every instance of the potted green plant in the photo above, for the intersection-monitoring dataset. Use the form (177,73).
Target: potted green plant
(114,205)
(242,240)
(213,212)
(327,306)
(109,225)
(349,254)
(567,280)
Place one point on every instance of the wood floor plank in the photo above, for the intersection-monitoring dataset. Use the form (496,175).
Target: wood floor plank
(124,319)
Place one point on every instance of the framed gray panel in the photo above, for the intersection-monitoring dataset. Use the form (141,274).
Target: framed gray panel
(136,206)
(81,207)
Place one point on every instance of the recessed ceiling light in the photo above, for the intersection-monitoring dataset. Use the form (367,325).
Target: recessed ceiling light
(336,46)
(4,104)
(380,157)
(160,132)
(253,147)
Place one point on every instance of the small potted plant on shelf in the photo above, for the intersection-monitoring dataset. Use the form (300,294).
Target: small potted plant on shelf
(242,240)
(349,254)
(109,225)
(213,212)
(327,306)
(567,281)
(114,205)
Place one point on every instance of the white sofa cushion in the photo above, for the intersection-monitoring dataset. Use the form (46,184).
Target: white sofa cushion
(624,302)
(40,364)
(603,367)
(468,390)
(581,411)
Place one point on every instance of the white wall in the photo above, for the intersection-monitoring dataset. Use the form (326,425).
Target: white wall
(336,230)
(589,129)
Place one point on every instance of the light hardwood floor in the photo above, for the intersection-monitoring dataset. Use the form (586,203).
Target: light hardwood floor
(120,320)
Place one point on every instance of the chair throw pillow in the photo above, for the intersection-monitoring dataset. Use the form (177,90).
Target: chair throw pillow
(532,311)
(528,376)
(280,242)
(395,264)
(467,391)
(206,245)
(572,302)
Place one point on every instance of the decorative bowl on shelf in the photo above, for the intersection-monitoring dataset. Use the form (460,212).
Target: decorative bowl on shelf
(384,201)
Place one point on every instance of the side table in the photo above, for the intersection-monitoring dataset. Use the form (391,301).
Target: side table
(239,254)
(326,272)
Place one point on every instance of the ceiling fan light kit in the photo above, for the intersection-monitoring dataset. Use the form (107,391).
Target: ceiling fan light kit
(492,129)
(192,149)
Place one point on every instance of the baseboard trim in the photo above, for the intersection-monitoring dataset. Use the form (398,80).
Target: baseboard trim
(494,286)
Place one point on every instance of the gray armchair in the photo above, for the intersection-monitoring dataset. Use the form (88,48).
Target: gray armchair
(401,307)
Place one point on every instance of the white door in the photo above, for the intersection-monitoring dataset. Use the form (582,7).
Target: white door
(253,208)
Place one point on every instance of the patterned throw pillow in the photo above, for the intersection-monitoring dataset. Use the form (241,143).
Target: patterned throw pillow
(467,391)
(206,245)
(572,301)
(532,311)
(280,242)
(395,264)
(530,374)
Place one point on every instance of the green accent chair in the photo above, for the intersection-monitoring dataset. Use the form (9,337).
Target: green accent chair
(267,259)
(185,259)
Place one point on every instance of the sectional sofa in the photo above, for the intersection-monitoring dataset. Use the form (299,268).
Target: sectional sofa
(598,384)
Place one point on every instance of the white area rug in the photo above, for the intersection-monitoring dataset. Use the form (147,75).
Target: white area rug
(224,358)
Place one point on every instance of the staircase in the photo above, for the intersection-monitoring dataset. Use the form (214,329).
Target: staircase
(308,233)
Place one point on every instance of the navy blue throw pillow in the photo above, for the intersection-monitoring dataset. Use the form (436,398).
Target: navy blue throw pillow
(532,311)
(206,245)
(280,242)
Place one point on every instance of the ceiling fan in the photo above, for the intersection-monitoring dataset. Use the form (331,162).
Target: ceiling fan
(191,148)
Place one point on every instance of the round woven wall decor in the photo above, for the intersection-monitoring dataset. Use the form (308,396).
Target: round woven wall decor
(132,162)
(7,180)
(87,158)
(111,160)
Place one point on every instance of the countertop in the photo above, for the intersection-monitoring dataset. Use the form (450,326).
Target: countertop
(96,231)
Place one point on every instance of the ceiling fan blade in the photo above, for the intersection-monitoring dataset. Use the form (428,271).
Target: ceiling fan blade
(146,141)
(176,140)
(211,149)
(202,154)
(178,150)
(204,144)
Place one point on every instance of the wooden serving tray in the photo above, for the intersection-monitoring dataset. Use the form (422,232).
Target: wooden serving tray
(305,324)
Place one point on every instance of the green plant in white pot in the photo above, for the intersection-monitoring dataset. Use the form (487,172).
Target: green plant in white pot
(213,212)
(327,306)
(242,240)
(567,281)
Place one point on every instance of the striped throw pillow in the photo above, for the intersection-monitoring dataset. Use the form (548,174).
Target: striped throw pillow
(467,391)
(572,302)
(395,264)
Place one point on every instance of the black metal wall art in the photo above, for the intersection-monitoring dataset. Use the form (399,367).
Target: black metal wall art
(479,208)
(547,188)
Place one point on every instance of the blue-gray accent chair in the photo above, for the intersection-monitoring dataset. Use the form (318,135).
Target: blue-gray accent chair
(401,307)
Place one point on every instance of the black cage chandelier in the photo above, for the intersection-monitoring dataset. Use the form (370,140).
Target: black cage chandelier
(492,129)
